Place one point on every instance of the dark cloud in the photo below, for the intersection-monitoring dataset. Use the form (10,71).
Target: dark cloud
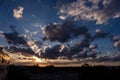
(60,50)
(55,52)
(19,42)
(82,49)
(14,38)
(102,59)
(116,58)
(109,57)
(56,32)
(92,54)
(77,47)
(82,54)
(63,31)
(51,52)
(67,30)
(23,51)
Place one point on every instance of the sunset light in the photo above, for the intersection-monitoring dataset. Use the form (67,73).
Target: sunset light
(36,34)
(38,60)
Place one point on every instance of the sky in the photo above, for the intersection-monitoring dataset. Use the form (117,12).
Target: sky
(60,30)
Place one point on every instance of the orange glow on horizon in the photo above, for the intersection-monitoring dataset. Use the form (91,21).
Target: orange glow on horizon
(37,59)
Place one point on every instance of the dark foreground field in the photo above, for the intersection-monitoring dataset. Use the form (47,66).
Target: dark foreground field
(62,73)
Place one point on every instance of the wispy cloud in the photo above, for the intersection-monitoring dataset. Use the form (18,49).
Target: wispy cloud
(17,13)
